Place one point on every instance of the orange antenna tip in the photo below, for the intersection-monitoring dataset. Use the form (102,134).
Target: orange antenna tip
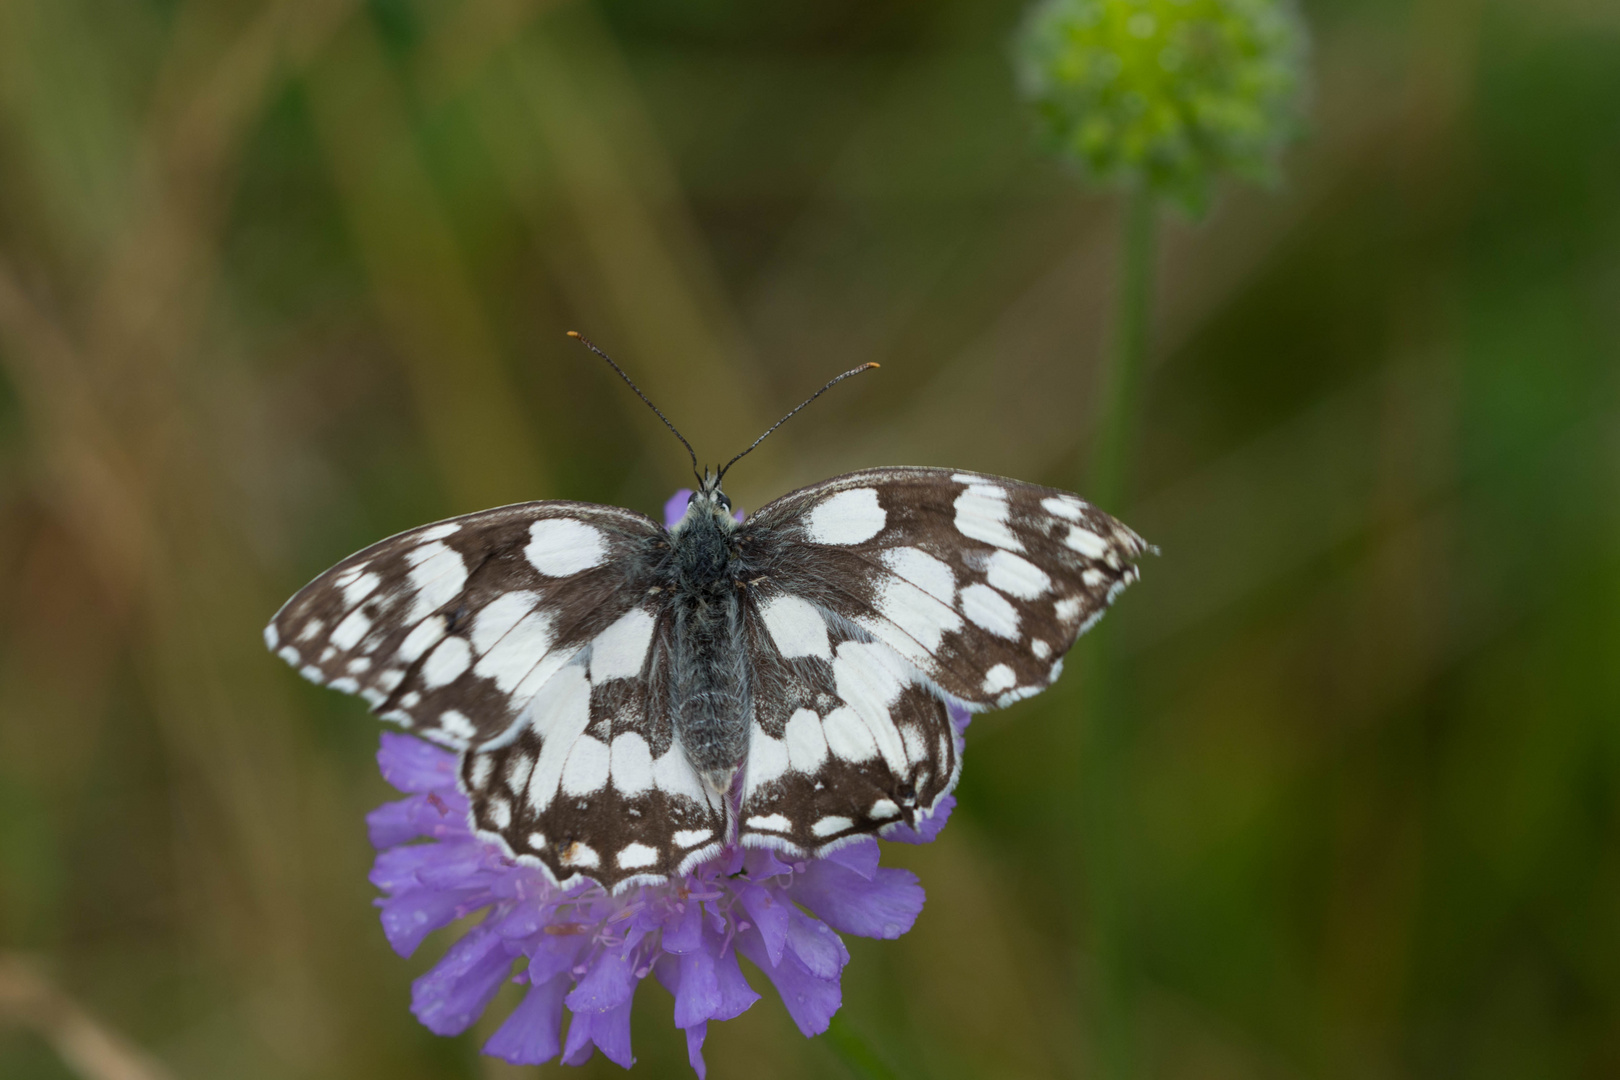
(852,371)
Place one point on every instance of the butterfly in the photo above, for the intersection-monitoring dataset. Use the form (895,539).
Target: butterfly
(629,699)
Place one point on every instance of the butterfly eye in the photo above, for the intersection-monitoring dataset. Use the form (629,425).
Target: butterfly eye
(725,503)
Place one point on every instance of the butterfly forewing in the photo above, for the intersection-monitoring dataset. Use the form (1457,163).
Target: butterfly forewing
(451,629)
(979,582)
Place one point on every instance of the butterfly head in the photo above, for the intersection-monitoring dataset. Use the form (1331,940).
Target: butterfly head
(708,504)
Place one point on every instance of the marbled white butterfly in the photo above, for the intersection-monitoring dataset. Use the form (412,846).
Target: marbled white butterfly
(628,699)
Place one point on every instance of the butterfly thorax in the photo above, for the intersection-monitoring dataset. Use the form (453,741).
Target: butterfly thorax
(702,542)
(709,661)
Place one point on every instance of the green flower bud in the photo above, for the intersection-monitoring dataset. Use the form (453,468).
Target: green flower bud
(1166,93)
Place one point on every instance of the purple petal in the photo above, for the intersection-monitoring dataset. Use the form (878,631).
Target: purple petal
(415,765)
(960,717)
(555,954)
(675,508)
(430,815)
(610,982)
(926,829)
(729,862)
(609,1031)
(668,970)
(410,916)
(395,869)
(697,997)
(454,993)
(579,1047)
(762,863)
(736,996)
(533,1033)
(809,1000)
(769,910)
(884,907)
(686,934)
(817,948)
(394,823)
(861,857)
(524,920)
(694,1049)
(445,865)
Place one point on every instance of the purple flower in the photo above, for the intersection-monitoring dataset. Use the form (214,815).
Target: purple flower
(584,950)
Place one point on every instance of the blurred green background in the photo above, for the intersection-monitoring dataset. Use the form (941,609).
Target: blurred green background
(281,277)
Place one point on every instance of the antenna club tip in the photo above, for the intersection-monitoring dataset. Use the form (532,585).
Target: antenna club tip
(874,363)
(573,333)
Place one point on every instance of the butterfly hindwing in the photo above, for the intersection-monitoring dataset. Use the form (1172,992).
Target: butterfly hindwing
(452,628)
(847,739)
(979,582)
(594,782)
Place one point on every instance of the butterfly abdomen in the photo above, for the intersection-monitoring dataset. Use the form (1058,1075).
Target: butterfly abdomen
(709,660)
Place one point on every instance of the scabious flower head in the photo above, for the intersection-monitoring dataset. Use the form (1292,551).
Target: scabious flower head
(585,950)
(1166,93)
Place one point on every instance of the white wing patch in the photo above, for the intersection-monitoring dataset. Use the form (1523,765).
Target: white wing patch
(847,737)
(919,616)
(933,576)
(447,662)
(806,744)
(587,769)
(559,715)
(521,651)
(631,765)
(849,517)
(796,627)
(620,651)
(989,609)
(438,573)
(981,514)
(1017,576)
(562,547)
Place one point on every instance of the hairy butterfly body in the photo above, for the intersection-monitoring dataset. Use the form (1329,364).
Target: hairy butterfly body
(628,699)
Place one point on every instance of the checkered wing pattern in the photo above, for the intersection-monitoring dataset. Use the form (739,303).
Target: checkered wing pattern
(881,595)
(451,629)
(529,638)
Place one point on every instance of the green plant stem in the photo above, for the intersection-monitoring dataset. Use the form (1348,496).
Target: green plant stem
(1122,380)
(856,1053)
(1105,733)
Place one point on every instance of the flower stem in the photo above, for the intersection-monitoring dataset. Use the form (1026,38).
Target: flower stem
(1105,732)
(1122,380)
(856,1053)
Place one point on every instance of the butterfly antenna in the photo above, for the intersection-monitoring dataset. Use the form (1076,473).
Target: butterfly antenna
(789,416)
(583,340)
